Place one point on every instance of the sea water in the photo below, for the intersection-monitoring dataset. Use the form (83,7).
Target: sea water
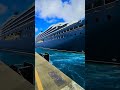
(71,64)
(11,58)
(93,76)
(102,76)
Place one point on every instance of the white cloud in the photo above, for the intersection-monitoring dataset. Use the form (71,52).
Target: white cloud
(36,29)
(3,9)
(51,20)
(68,11)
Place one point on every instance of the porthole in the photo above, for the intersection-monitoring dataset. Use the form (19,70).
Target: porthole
(71,28)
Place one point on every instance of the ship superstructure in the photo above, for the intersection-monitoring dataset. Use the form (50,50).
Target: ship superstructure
(63,36)
(18,31)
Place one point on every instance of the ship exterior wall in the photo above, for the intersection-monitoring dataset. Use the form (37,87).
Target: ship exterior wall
(103,34)
(18,45)
(19,34)
(70,41)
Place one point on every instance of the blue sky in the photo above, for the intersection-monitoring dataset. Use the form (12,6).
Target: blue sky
(42,24)
(48,12)
(9,7)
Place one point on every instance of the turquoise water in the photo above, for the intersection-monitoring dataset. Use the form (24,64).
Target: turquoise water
(11,58)
(97,76)
(102,76)
(72,64)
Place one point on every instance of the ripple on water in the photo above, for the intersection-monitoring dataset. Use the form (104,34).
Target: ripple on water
(102,76)
(72,64)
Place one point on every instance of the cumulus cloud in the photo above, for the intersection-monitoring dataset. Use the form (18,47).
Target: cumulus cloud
(51,20)
(3,9)
(71,10)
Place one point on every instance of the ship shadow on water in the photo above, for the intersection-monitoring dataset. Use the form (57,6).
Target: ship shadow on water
(21,63)
(102,76)
(11,58)
(71,64)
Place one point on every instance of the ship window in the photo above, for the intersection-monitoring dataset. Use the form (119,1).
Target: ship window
(75,27)
(80,25)
(71,28)
(64,25)
(109,17)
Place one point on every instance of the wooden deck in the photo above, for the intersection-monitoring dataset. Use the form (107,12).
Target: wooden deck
(49,77)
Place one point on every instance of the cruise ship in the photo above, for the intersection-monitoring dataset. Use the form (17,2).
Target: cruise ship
(103,31)
(17,33)
(63,36)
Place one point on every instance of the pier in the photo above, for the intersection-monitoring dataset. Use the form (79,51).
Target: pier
(48,77)
(10,80)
